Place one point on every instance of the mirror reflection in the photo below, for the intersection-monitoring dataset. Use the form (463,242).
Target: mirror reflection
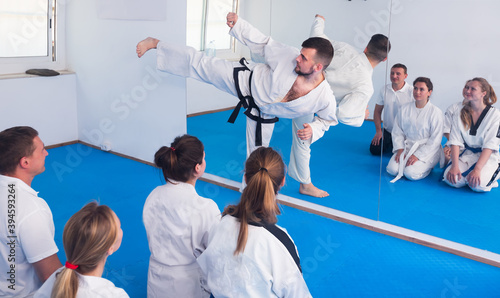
(340,164)
(450,48)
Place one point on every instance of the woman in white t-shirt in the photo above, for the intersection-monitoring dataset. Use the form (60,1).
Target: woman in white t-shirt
(90,236)
(177,222)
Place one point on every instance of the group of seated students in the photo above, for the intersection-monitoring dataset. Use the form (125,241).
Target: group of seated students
(414,128)
(195,250)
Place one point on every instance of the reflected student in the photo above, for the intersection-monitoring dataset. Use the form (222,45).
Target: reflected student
(417,135)
(476,129)
(391,97)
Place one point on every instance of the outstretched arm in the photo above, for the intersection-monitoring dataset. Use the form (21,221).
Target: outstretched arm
(247,34)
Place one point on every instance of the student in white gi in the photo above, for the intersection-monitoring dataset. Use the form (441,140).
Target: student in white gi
(450,113)
(28,251)
(244,257)
(177,222)
(476,130)
(90,236)
(416,135)
(391,97)
(350,77)
(290,84)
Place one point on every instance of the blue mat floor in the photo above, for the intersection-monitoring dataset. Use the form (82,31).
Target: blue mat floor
(338,260)
(342,165)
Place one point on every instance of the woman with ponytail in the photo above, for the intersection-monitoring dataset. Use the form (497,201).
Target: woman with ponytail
(177,222)
(248,254)
(476,129)
(90,236)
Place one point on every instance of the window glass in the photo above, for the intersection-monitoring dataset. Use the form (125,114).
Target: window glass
(24,28)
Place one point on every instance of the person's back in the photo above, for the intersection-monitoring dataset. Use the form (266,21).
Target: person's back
(264,269)
(177,222)
(248,255)
(90,236)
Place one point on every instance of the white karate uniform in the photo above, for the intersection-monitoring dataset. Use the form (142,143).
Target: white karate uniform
(33,236)
(350,77)
(392,101)
(270,81)
(264,269)
(450,113)
(419,132)
(177,222)
(88,287)
(487,137)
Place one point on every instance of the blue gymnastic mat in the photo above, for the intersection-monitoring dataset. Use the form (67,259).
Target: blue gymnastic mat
(342,165)
(338,260)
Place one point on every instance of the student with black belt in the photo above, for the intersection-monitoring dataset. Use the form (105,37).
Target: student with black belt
(248,255)
(290,84)
(477,130)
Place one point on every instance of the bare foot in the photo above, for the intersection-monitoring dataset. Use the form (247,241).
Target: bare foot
(146,45)
(313,191)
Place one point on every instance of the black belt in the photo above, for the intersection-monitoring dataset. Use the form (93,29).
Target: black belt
(248,103)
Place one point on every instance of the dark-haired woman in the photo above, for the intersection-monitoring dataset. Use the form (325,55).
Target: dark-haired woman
(90,236)
(177,222)
(477,130)
(248,254)
(416,135)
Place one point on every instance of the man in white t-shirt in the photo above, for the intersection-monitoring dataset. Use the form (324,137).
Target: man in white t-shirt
(391,97)
(27,248)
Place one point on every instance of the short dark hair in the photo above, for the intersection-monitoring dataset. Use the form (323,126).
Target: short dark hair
(323,47)
(15,143)
(399,65)
(424,80)
(378,47)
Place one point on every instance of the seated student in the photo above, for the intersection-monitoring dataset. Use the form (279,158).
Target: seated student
(90,236)
(477,130)
(450,113)
(30,231)
(248,255)
(177,222)
(417,135)
(391,97)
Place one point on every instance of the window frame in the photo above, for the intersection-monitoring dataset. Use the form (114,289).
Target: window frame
(234,51)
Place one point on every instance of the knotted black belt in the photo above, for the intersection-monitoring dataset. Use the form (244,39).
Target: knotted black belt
(248,103)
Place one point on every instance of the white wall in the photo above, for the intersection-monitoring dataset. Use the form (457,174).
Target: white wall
(121,98)
(48,104)
(450,43)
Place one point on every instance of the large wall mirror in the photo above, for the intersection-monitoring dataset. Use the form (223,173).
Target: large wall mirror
(447,41)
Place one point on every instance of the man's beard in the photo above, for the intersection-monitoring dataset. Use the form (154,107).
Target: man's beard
(305,74)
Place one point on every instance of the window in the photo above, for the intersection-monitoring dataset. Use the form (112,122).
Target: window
(28,35)
(206,22)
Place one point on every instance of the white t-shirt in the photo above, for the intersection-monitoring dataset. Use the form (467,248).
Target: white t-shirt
(88,287)
(392,101)
(264,269)
(30,232)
